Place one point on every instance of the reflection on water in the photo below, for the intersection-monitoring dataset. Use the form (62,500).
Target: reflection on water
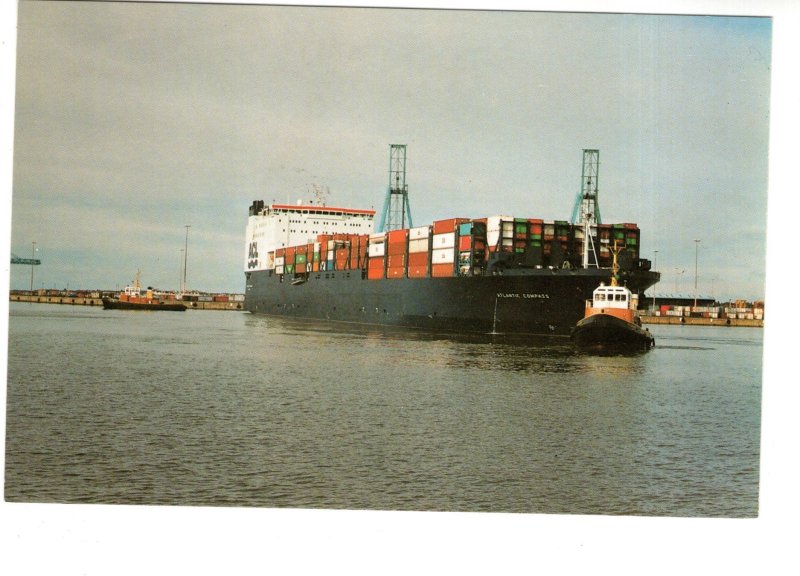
(227,408)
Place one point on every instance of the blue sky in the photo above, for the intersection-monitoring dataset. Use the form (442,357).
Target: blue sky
(133,120)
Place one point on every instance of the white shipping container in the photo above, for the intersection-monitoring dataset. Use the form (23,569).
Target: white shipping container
(376,250)
(443,256)
(376,238)
(493,222)
(420,232)
(279,269)
(418,245)
(492,237)
(447,240)
(279,261)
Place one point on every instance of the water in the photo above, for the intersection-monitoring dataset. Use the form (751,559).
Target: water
(230,409)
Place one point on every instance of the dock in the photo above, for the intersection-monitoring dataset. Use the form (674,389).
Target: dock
(699,321)
(74,300)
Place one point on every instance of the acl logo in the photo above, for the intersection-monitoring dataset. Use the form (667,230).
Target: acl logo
(252,256)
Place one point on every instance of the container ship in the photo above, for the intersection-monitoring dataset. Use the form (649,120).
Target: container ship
(496,274)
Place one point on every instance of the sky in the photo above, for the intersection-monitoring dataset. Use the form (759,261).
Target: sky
(134,120)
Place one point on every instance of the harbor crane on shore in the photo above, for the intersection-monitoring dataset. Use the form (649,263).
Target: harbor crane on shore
(396,211)
(27,261)
(587,208)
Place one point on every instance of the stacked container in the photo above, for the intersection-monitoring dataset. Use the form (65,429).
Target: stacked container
(419,251)
(471,247)
(376,261)
(396,251)
(443,247)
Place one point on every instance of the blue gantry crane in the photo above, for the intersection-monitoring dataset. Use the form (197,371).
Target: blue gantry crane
(396,210)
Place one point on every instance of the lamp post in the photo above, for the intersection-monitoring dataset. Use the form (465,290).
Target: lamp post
(180,273)
(677,273)
(655,269)
(185,256)
(696,245)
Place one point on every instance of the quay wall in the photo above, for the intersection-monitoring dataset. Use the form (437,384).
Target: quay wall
(694,321)
(87,301)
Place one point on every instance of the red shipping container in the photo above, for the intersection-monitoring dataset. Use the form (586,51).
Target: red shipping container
(441,270)
(417,271)
(396,236)
(418,259)
(280,252)
(396,272)
(464,243)
(396,261)
(396,248)
(449,225)
(375,268)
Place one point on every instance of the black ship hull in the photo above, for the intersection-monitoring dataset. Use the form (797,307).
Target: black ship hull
(114,304)
(604,333)
(522,301)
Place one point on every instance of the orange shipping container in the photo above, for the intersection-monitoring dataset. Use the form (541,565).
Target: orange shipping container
(441,270)
(375,268)
(396,236)
(396,261)
(417,271)
(449,225)
(396,248)
(396,272)
(417,259)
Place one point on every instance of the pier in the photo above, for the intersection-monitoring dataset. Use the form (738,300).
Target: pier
(699,321)
(83,300)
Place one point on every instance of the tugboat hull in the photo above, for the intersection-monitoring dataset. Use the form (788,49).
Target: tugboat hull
(606,333)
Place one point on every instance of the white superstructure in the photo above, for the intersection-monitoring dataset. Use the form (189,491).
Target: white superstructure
(280,225)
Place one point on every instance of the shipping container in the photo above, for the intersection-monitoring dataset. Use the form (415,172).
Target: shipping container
(377,250)
(375,268)
(419,232)
(417,259)
(441,270)
(418,245)
(446,240)
(449,225)
(442,256)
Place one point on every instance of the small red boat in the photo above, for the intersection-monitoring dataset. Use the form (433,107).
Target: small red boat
(132,298)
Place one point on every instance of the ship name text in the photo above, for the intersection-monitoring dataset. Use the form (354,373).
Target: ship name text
(525,295)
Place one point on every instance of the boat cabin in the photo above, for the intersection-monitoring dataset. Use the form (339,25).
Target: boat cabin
(611,297)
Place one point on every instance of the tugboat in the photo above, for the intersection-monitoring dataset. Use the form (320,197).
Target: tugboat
(611,323)
(132,299)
